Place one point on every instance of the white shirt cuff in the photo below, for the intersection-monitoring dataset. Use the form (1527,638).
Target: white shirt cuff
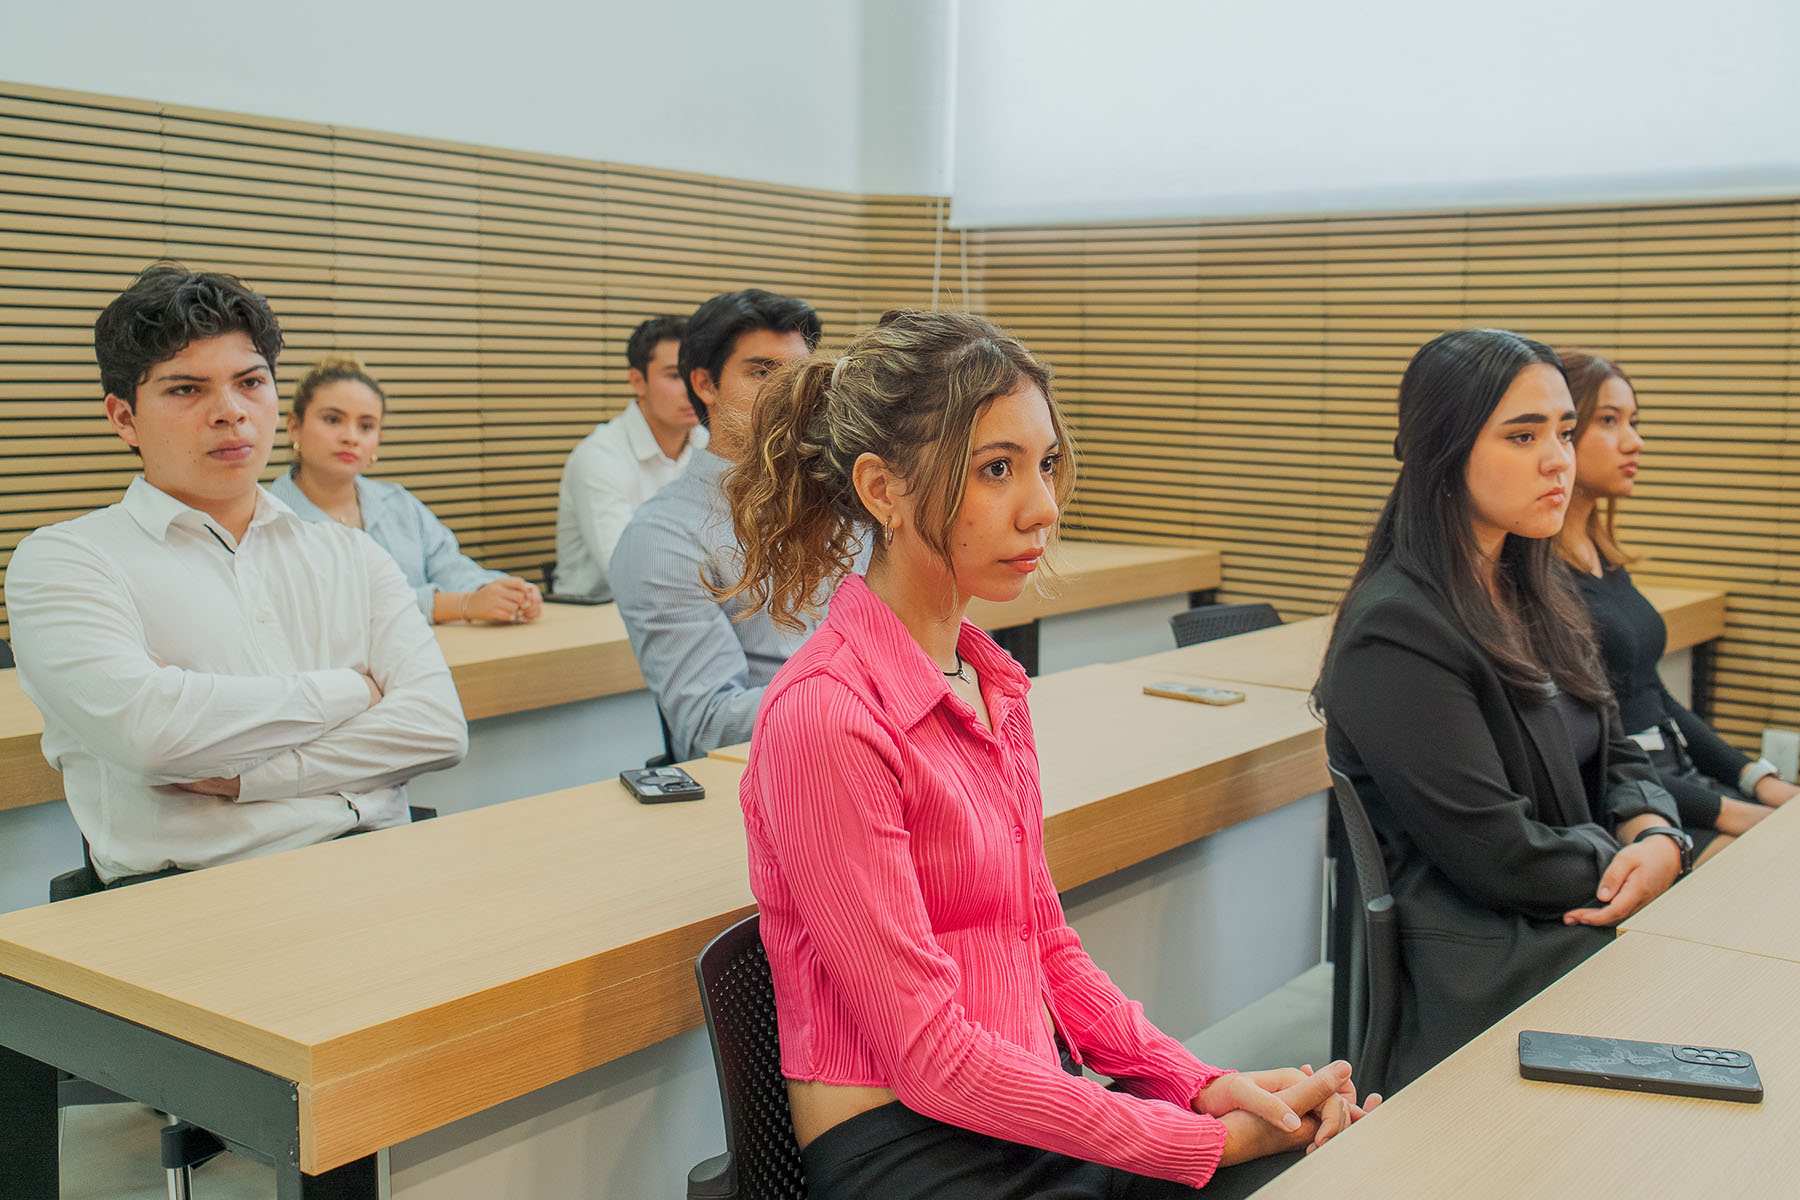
(340,692)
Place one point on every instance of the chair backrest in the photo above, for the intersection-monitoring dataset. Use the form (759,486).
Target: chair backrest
(1209,621)
(667,757)
(738,994)
(1377,959)
(82,881)
(548,567)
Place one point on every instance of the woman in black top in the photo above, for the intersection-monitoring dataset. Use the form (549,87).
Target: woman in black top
(1718,789)
(1464,700)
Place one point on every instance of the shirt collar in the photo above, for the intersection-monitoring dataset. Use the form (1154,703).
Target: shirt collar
(641,440)
(707,465)
(156,511)
(911,684)
(371,498)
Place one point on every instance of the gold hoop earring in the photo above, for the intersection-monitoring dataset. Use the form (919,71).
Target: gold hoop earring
(887,533)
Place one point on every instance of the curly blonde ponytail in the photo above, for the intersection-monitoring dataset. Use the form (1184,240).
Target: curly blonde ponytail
(910,391)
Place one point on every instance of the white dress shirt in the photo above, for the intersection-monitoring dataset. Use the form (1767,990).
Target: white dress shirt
(162,651)
(609,473)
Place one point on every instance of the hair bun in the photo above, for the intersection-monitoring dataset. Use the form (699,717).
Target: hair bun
(341,360)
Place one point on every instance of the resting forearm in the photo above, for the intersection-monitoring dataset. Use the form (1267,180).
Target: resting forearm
(447,607)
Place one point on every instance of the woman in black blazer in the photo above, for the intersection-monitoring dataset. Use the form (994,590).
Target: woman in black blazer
(1464,700)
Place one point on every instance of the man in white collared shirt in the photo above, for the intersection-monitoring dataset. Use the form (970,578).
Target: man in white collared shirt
(626,460)
(218,678)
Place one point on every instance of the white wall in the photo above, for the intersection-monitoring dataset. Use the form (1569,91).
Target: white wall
(1068,110)
(769,91)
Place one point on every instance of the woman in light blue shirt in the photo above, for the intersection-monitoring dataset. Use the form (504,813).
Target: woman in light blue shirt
(335,428)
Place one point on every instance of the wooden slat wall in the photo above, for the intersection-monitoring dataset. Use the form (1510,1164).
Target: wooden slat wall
(1234,382)
(490,291)
(1230,381)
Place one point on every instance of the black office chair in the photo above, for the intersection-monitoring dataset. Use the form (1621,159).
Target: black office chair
(761,1159)
(1206,622)
(6,654)
(667,757)
(548,567)
(1367,983)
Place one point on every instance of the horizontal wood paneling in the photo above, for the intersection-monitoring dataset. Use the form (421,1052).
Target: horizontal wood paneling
(1234,382)
(490,291)
(1230,382)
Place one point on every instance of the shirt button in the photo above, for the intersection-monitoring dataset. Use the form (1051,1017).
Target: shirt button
(1018,834)
(1024,933)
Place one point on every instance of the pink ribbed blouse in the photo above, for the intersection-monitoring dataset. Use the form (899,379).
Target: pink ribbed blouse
(896,852)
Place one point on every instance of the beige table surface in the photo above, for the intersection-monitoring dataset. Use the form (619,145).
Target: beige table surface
(579,652)
(1096,574)
(1289,655)
(1747,898)
(1471,1128)
(414,976)
(573,652)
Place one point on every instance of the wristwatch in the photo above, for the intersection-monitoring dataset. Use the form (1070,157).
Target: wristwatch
(1682,841)
(1753,774)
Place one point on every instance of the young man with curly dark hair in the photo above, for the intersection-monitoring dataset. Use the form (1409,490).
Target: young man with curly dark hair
(218,678)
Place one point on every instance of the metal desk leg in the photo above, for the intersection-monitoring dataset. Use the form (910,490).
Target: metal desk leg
(353,1181)
(27,1127)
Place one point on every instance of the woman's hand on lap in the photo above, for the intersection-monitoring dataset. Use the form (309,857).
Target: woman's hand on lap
(1638,874)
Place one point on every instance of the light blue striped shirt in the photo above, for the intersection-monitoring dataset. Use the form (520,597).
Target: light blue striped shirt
(706,670)
(401,524)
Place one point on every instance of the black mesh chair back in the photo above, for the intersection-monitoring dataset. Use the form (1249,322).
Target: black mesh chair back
(667,757)
(761,1159)
(1210,621)
(1373,958)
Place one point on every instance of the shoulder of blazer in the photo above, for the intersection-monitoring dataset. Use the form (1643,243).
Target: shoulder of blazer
(1394,607)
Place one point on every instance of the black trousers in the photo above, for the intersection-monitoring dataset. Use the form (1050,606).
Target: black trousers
(893,1153)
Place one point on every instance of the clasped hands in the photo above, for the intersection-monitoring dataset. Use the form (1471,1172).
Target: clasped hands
(1270,1112)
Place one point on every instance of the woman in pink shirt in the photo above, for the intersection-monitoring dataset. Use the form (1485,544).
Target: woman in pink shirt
(926,981)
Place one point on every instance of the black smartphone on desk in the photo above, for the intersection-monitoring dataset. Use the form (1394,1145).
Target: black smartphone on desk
(572,598)
(660,785)
(1668,1068)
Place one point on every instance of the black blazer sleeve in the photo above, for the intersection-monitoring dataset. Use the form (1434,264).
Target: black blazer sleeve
(1405,694)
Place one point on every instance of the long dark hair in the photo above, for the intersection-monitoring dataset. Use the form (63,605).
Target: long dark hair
(1586,373)
(1534,627)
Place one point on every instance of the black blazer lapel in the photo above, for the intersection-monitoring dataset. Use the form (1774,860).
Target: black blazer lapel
(1557,777)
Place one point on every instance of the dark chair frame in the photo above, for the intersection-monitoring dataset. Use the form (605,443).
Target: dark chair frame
(761,1159)
(1369,967)
(1209,622)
